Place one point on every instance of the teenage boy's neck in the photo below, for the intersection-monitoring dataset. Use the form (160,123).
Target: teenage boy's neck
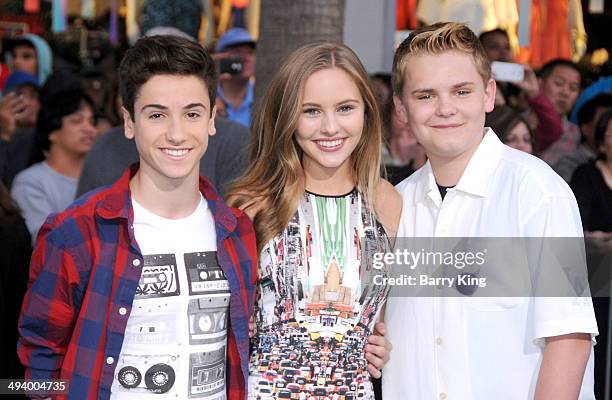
(448,171)
(172,199)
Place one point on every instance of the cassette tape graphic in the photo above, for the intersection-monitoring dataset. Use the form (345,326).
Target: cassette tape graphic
(159,277)
(204,274)
(208,319)
(207,371)
(138,374)
(152,323)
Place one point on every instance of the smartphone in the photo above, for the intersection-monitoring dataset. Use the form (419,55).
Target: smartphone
(507,72)
(231,65)
(16,90)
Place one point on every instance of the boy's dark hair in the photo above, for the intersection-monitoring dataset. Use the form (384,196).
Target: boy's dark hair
(600,131)
(164,55)
(497,31)
(52,111)
(586,113)
(550,66)
(19,42)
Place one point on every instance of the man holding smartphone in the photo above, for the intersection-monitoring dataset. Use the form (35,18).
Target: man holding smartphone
(20,105)
(235,53)
(18,114)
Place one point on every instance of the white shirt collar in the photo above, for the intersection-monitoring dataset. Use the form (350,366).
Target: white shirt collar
(476,178)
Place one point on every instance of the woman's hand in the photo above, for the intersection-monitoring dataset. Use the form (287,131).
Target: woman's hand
(378,350)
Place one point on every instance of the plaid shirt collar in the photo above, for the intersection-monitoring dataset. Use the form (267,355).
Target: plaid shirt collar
(117,203)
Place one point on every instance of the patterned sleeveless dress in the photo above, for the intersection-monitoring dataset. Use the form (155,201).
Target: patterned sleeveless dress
(317,303)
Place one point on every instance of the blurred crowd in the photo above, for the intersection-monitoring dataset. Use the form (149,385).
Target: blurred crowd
(61,135)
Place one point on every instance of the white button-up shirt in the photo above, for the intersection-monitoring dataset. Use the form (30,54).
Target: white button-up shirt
(483,348)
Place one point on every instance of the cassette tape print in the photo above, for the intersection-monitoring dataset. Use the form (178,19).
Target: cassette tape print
(207,378)
(208,319)
(152,323)
(159,277)
(204,274)
(138,374)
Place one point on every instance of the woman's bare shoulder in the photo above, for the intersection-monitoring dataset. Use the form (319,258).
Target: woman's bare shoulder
(387,206)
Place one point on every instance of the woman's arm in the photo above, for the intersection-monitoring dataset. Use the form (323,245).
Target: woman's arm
(387,207)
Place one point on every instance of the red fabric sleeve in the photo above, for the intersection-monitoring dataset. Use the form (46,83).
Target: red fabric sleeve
(550,126)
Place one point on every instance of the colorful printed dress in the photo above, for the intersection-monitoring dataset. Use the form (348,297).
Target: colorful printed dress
(317,303)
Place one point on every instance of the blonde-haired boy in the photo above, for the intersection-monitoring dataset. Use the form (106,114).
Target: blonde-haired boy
(474,186)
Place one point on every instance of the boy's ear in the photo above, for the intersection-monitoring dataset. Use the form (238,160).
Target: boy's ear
(53,136)
(400,110)
(490,90)
(212,129)
(128,124)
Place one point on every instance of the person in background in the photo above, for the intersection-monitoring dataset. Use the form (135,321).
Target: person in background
(15,254)
(588,115)
(235,90)
(31,53)
(592,186)
(64,134)
(5,71)
(496,44)
(402,154)
(20,104)
(111,104)
(381,85)
(497,47)
(96,84)
(511,128)
(552,100)
(18,114)
(592,183)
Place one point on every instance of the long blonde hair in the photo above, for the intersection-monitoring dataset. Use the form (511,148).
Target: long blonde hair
(275,181)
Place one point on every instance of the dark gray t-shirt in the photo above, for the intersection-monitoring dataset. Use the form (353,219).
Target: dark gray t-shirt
(224,160)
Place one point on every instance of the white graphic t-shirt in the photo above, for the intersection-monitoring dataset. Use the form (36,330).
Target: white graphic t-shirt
(176,335)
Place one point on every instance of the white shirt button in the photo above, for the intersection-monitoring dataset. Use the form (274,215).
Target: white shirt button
(110,360)
(443,396)
(123,311)
(136,262)
(439,341)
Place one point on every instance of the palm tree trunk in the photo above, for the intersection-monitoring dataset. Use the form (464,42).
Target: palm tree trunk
(286,25)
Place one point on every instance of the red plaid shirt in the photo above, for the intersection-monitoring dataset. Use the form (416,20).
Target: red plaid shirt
(86,266)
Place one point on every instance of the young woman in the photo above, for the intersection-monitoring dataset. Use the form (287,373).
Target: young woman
(511,128)
(320,211)
(592,184)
